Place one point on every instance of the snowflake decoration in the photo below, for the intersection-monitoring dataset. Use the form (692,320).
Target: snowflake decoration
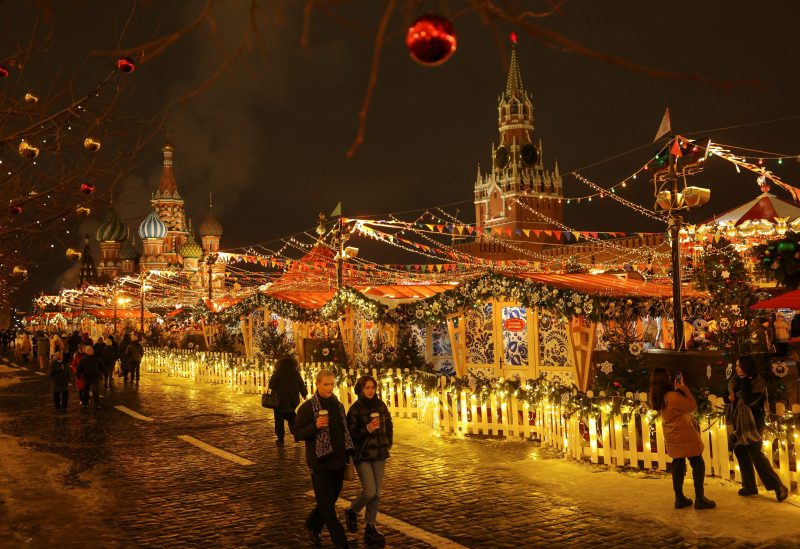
(735,309)
(191,345)
(576,299)
(780,369)
(326,351)
(419,313)
(635,348)
(724,323)
(726,274)
(729,371)
(606,367)
(379,357)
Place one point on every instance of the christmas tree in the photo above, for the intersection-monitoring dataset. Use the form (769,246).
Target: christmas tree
(409,354)
(274,344)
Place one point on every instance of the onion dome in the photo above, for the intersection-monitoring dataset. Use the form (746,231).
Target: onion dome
(152,227)
(190,249)
(210,225)
(128,251)
(112,229)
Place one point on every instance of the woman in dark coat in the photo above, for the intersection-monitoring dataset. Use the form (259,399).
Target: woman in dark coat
(370,425)
(289,386)
(675,403)
(747,394)
(59,380)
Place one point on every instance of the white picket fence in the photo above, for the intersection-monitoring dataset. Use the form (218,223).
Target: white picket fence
(627,438)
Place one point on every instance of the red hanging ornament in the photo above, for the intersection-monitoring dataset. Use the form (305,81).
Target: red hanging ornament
(87,188)
(3,71)
(15,210)
(431,40)
(126,64)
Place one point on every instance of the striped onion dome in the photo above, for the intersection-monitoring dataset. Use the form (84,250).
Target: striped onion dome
(152,227)
(112,229)
(190,249)
(210,226)
(128,251)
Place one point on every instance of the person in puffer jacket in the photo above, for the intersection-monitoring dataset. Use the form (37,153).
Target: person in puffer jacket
(370,425)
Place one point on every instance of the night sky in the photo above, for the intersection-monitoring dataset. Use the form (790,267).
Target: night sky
(269,137)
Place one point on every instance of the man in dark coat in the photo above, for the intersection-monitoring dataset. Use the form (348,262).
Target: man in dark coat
(134,353)
(72,345)
(89,371)
(322,425)
(288,384)
(108,359)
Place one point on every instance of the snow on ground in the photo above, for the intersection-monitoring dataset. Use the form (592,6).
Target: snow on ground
(648,495)
(6,381)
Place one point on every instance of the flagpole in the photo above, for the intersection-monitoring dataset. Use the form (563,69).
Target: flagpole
(675,232)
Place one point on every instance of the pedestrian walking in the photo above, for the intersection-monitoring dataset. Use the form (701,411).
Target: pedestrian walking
(747,394)
(370,425)
(89,371)
(134,353)
(321,423)
(782,329)
(59,381)
(123,357)
(289,386)
(674,401)
(108,359)
(42,350)
(25,347)
(73,342)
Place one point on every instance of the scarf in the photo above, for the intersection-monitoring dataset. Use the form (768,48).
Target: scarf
(744,424)
(323,445)
(370,403)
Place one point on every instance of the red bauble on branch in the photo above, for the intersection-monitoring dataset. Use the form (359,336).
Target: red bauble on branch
(87,188)
(126,64)
(15,210)
(431,40)
(3,71)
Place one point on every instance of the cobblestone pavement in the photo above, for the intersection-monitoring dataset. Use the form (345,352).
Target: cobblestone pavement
(106,479)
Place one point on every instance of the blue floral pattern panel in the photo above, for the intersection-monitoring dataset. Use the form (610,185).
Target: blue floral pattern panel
(515,336)
(444,366)
(479,339)
(553,344)
(441,341)
(358,350)
(418,334)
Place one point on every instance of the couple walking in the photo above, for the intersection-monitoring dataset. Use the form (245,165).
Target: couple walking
(747,395)
(332,438)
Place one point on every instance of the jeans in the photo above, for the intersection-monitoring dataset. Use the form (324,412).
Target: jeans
(60,399)
(135,365)
(327,485)
(93,387)
(280,417)
(698,475)
(749,455)
(371,475)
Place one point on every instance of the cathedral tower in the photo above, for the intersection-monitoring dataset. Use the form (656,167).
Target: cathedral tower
(518,196)
(168,204)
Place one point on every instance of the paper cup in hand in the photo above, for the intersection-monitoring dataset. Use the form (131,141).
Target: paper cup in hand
(375,416)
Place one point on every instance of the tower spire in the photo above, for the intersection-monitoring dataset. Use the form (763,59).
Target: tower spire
(514,82)
(168,187)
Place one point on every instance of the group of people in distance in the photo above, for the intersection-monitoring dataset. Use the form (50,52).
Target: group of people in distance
(332,438)
(746,413)
(88,364)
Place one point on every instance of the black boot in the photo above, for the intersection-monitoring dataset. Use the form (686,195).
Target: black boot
(351,520)
(372,537)
(699,477)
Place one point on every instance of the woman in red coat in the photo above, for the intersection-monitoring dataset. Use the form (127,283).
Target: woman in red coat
(675,403)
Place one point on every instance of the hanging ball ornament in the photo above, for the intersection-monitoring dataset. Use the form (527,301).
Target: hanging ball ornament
(15,210)
(87,188)
(91,145)
(83,211)
(431,40)
(28,151)
(126,64)
(3,71)
(787,247)
(30,98)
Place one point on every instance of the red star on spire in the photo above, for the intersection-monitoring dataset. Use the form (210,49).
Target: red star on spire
(513,37)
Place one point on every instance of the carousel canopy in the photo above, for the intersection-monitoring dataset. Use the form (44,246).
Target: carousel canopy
(765,206)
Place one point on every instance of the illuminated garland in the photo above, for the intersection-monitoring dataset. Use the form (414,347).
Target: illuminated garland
(282,308)
(350,297)
(564,302)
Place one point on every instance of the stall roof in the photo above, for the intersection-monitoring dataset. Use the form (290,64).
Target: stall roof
(122,314)
(789,300)
(315,300)
(765,206)
(606,285)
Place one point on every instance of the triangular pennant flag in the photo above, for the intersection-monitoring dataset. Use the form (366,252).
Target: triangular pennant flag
(593,235)
(665,127)
(676,148)
(508,232)
(430,227)
(470,230)
(517,232)
(549,233)
(558,234)
(460,229)
(337,211)
(527,232)
(440,228)
(577,235)
(537,232)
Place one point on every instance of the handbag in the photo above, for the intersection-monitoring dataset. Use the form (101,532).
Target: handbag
(350,470)
(270,400)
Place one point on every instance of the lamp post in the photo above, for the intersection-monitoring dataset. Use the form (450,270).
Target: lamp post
(141,302)
(114,298)
(211,259)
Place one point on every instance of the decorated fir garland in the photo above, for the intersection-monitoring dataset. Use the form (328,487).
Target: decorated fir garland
(350,297)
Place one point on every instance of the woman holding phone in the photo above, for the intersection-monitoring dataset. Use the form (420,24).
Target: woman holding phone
(370,426)
(675,403)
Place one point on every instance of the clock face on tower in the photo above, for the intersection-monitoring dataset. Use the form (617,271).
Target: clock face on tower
(530,154)
(501,157)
